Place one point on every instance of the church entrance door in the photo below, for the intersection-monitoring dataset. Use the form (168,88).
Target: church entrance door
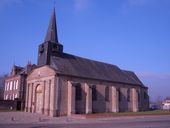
(39,99)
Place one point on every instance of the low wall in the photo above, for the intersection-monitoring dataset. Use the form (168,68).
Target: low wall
(11,105)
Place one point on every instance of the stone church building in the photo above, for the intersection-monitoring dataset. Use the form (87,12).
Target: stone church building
(65,84)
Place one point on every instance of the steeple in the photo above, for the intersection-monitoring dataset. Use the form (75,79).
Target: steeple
(50,46)
(52,29)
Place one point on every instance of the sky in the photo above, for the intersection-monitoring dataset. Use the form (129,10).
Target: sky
(132,34)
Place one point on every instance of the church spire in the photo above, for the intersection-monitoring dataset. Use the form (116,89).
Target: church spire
(52,29)
(50,47)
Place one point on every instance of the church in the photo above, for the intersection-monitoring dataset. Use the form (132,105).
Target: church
(63,84)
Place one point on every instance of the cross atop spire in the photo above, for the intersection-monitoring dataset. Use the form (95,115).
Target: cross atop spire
(52,29)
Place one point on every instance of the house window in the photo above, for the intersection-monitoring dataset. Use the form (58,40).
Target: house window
(6,97)
(128,95)
(16,96)
(94,93)
(16,85)
(107,93)
(78,92)
(10,88)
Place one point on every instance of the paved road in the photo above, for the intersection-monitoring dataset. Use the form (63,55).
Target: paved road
(28,120)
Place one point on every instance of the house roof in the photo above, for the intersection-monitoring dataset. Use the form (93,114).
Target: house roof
(68,64)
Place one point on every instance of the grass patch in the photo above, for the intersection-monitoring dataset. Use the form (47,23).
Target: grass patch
(154,112)
(145,113)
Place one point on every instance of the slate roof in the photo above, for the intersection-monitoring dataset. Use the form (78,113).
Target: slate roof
(52,29)
(17,69)
(71,65)
(67,64)
(132,76)
(21,70)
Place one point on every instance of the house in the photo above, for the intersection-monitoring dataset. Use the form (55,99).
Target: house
(166,104)
(15,83)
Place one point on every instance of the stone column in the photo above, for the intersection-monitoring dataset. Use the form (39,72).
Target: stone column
(69,98)
(114,100)
(33,98)
(30,98)
(27,98)
(43,107)
(57,95)
(88,99)
(32,95)
(46,102)
(134,94)
(52,111)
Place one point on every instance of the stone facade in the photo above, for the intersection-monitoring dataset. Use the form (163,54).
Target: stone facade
(65,84)
(57,95)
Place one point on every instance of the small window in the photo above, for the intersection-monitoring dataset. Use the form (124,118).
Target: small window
(16,85)
(128,95)
(16,96)
(78,92)
(94,93)
(107,93)
(6,97)
(10,85)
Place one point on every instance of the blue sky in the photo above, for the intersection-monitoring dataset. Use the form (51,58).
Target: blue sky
(132,34)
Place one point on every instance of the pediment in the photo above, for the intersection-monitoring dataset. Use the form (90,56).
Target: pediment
(44,71)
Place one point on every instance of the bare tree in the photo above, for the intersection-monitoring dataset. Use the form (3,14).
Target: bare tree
(159,101)
(2,85)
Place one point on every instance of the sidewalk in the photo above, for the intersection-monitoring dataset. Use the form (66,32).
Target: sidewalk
(27,118)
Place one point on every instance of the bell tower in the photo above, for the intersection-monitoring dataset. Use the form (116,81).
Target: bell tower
(51,46)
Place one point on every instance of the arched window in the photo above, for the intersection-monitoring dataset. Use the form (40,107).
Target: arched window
(145,95)
(128,95)
(138,96)
(94,93)
(107,93)
(78,91)
(119,95)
